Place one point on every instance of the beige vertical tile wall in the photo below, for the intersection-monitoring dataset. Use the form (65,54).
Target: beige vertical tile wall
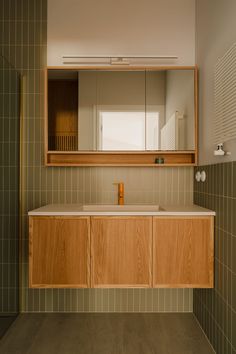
(25,46)
(94,185)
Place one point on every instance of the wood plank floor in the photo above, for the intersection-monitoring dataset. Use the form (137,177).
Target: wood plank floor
(105,334)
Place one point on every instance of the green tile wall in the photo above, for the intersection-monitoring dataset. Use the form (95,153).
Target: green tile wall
(23,49)
(9,188)
(216,309)
(24,35)
(9,169)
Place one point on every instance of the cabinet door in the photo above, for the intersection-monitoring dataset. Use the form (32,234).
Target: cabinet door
(121,250)
(59,252)
(183,252)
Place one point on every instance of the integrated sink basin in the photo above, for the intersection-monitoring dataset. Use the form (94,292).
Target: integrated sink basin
(115,209)
(121,208)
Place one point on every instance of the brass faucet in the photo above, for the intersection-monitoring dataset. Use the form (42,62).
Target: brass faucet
(120,192)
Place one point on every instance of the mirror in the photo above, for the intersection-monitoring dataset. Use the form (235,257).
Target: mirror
(121,110)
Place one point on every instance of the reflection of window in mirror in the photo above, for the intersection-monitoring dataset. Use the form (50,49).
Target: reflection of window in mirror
(127,129)
(122,131)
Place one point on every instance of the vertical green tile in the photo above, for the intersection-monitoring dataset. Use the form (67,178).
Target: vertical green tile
(234,180)
(234,329)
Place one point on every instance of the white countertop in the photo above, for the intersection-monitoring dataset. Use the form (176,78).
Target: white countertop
(77,210)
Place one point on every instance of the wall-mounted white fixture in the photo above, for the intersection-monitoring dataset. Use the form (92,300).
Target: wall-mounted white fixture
(115,59)
(203,176)
(200,176)
(220,150)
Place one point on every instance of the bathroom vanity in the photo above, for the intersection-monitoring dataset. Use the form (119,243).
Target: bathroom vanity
(139,246)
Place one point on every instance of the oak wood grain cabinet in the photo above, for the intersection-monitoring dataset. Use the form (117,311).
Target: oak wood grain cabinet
(121,251)
(59,255)
(183,252)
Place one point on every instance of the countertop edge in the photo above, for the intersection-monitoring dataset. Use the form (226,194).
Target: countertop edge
(127,213)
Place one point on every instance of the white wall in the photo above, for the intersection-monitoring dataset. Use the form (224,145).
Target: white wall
(215,34)
(111,27)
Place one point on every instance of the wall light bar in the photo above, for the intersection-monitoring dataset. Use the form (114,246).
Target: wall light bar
(114,60)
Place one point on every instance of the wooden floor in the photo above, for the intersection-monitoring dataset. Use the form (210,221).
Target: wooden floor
(105,334)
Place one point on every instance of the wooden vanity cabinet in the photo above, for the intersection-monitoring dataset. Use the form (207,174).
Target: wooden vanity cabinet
(183,253)
(59,254)
(121,252)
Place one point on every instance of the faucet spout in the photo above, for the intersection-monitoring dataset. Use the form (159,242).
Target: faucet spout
(121,193)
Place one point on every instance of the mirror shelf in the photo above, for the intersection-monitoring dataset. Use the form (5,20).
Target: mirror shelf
(121,116)
(154,159)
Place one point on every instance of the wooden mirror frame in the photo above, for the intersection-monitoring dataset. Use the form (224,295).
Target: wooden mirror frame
(122,158)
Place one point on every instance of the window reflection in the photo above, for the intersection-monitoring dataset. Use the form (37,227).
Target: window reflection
(128,130)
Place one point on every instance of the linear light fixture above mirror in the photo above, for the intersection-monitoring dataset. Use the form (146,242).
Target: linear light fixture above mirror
(116,60)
